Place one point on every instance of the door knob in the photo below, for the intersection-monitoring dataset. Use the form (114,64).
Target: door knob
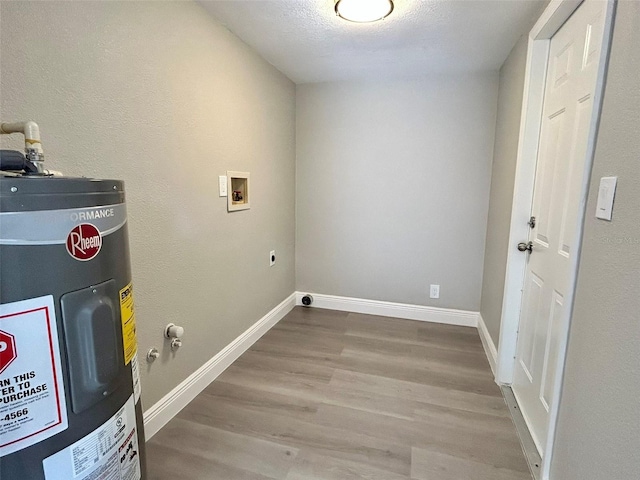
(525,247)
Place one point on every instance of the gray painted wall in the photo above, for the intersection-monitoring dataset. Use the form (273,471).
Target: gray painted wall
(503,172)
(599,425)
(160,95)
(392,188)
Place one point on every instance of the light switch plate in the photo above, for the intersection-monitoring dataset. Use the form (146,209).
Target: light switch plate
(606,195)
(222,181)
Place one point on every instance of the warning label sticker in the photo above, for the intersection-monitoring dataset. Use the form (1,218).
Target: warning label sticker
(128,317)
(108,453)
(32,402)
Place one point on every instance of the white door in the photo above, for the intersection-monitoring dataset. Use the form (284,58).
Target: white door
(569,89)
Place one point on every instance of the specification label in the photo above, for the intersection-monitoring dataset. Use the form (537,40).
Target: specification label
(32,401)
(129,337)
(128,317)
(135,372)
(108,453)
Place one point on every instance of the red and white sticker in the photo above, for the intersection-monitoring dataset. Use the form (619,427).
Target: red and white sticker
(32,401)
(84,242)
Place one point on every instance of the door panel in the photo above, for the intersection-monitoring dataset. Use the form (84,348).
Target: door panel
(528,322)
(595,30)
(573,185)
(551,357)
(545,176)
(574,55)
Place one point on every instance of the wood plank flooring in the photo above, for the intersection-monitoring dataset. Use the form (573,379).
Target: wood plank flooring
(329,395)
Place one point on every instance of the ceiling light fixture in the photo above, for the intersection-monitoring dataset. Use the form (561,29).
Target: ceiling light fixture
(363,11)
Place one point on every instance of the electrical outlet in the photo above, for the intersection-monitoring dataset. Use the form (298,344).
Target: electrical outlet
(272,258)
(434,291)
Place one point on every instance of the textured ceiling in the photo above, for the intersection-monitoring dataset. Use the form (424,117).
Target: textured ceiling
(307,42)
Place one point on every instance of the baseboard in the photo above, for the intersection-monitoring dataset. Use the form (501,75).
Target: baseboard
(168,406)
(489,347)
(389,309)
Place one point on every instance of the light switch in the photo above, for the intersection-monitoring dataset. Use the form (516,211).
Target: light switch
(606,194)
(222,180)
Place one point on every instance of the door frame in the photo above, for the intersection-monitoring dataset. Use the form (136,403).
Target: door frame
(553,17)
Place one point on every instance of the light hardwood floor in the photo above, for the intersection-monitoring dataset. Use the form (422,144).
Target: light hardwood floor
(329,395)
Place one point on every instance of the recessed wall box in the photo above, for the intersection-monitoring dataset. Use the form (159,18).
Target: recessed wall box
(238,191)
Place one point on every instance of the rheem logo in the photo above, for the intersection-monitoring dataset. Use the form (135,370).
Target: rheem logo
(84,242)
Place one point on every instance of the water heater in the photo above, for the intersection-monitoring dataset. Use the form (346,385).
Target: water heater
(69,384)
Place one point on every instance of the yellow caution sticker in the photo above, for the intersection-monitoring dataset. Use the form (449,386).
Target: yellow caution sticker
(128,317)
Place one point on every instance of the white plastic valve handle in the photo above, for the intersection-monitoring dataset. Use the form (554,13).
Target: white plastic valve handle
(174,331)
